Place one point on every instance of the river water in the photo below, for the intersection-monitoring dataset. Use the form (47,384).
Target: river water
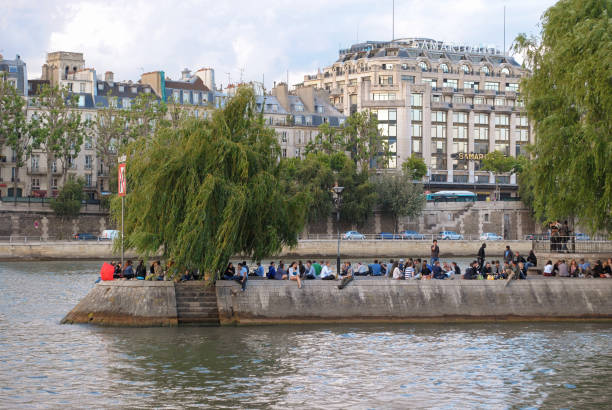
(44,364)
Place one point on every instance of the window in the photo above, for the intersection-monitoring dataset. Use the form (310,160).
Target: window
(54,183)
(501,119)
(69,86)
(408,78)
(438,147)
(417,146)
(309,120)
(485,70)
(436,98)
(383,96)
(483,179)
(460,146)
(502,134)
(444,68)
(82,87)
(100,87)
(522,135)
(387,66)
(460,132)
(460,117)
(88,144)
(520,150)
(491,86)
(465,68)
(299,119)
(186,99)
(458,99)
(471,84)
(416,100)
(481,133)
(450,83)
(176,95)
(438,162)
(502,179)
(88,161)
(481,118)
(417,130)
(438,116)
(522,121)
(438,131)
(479,100)
(134,90)
(88,180)
(284,152)
(503,148)
(387,130)
(35,162)
(505,71)
(126,103)
(438,177)
(196,98)
(299,107)
(416,115)
(35,183)
(81,102)
(512,87)
(460,178)
(404,66)
(423,66)
(432,82)
(121,88)
(318,108)
(385,80)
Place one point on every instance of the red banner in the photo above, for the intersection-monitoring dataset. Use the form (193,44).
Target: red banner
(122,180)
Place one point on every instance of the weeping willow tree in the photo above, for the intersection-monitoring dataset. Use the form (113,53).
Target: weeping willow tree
(210,189)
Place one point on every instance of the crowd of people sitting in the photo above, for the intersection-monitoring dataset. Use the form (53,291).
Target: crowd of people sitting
(156,271)
(578,269)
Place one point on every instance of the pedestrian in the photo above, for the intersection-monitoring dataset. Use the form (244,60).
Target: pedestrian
(481,254)
(435,252)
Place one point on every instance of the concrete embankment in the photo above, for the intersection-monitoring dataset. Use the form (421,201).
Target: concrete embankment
(103,250)
(140,303)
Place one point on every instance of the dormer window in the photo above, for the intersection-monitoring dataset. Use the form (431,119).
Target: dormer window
(505,71)
(100,87)
(423,66)
(319,108)
(485,70)
(121,88)
(465,68)
(299,107)
(444,68)
(147,90)
(134,90)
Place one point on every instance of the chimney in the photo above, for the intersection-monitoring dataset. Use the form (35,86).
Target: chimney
(109,77)
(1,57)
(281,92)
(185,74)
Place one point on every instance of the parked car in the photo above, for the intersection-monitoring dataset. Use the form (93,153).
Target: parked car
(353,235)
(85,237)
(413,235)
(109,234)
(387,235)
(582,237)
(452,235)
(490,236)
(537,237)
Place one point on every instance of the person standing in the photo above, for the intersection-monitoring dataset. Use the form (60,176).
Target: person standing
(508,255)
(481,254)
(435,252)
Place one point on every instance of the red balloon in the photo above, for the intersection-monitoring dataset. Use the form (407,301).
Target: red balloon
(107,271)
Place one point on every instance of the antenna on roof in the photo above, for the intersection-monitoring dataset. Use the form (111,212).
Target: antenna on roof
(393,24)
(229,79)
(357,33)
(504,29)
(241,73)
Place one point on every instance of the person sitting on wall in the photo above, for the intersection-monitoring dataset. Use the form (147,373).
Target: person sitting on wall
(437,271)
(532,260)
(362,269)
(376,268)
(347,275)
(456,268)
(326,272)
(271,271)
(118,271)
(471,272)
(281,273)
(311,272)
(230,272)
(141,270)
(259,271)
(128,272)
(294,274)
(425,271)
(159,271)
(598,270)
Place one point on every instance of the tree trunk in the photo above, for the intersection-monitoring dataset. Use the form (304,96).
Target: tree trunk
(49,175)
(15,185)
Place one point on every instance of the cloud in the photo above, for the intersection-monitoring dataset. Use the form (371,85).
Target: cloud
(264,37)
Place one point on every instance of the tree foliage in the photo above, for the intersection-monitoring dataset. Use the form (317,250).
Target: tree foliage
(399,196)
(415,168)
(569,99)
(14,127)
(499,163)
(67,204)
(210,189)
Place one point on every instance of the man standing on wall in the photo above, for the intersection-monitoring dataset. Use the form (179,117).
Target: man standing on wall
(435,252)
(481,254)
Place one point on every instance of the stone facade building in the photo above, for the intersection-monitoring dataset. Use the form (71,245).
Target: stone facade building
(448,104)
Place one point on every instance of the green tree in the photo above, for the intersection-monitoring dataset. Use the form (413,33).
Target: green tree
(415,168)
(57,128)
(14,127)
(210,189)
(67,204)
(498,163)
(144,116)
(328,141)
(399,196)
(569,100)
(362,139)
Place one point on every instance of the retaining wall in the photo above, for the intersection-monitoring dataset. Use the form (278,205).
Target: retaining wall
(384,300)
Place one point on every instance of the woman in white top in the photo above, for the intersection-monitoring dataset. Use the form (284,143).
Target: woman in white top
(548,269)
(294,274)
(397,273)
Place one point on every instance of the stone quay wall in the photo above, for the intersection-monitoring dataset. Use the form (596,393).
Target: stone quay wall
(143,303)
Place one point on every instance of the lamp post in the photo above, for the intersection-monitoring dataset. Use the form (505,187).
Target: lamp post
(337,195)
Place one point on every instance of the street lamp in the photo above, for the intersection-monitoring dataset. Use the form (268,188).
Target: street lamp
(337,195)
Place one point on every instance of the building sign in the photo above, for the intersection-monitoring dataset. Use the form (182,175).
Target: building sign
(121,189)
(469,156)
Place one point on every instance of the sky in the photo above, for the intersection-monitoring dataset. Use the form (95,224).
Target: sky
(248,39)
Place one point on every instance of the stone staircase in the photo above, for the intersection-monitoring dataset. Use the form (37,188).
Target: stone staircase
(456,224)
(196,303)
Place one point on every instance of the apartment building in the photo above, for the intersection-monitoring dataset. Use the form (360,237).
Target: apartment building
(449,104)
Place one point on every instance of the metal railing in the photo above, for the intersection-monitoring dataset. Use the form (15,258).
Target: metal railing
(25,239)
(571,244)
(387,236)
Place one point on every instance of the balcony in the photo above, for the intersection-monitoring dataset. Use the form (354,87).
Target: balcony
(441,105)
(483,107)
(462,106)
(504,108)
(468,91)
(383,104)
(13,179)
(448,90)
(490,92)
(102,173)
(37,171)
(510,94)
